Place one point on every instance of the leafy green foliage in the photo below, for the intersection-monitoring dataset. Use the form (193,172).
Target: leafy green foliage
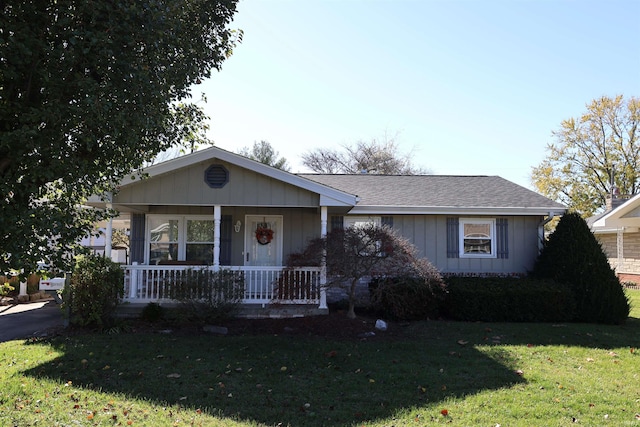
(572,255)
(6,289)
(96,286)
(208,296)
(592,151)
(508,299)
(408,298)
(89,91)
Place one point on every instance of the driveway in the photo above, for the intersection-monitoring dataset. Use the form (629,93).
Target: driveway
(33,319)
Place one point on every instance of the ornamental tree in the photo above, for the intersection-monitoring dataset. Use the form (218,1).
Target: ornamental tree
(367,251)
(88,92)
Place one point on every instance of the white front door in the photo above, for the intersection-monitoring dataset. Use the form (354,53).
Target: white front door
(262,249)
(263,240)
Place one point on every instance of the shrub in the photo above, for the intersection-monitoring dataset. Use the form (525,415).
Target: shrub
(207,296)
(6,289)
(508,299)
(96,286)
(407,298)
(152,312)
(572,255)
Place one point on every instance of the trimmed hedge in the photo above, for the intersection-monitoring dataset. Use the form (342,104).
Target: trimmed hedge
(407,298)
(508,299)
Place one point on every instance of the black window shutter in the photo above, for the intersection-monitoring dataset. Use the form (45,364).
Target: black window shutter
(136,238)
(387,221)
(337,222)
(502,238)
(453,230)
(225,239)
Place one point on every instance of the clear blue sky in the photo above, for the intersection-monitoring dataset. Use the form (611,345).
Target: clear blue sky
(472,87)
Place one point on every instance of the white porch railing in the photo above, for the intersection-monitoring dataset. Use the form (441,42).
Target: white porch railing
(262,285)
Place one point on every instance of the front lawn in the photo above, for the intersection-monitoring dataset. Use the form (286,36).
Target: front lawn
(457,373)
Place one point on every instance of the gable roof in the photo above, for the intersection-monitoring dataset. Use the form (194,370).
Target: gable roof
(439,194)
(625,215)
(371,194)
(328,196)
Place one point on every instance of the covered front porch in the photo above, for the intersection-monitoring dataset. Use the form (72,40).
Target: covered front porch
(216,211)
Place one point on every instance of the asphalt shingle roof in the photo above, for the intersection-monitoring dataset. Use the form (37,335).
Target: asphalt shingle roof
(436,191)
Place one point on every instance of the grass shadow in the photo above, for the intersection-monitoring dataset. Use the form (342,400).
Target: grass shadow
(277,379)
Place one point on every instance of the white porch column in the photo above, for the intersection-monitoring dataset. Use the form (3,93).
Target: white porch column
(323,266)
(217,216)
(108,235)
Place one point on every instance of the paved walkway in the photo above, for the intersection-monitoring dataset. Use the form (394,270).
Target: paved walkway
(27,320)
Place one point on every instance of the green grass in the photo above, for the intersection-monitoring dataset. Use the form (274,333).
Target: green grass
(483,374)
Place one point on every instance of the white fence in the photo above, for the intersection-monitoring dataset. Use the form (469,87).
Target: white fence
(262,285)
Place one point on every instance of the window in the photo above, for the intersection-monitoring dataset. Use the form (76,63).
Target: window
(359,221)
(180,239)
(199,244)
(477,238)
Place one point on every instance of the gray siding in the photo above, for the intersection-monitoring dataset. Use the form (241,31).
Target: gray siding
(429,234)
(187,187)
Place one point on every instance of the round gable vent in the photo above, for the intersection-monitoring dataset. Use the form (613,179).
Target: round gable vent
(216,176)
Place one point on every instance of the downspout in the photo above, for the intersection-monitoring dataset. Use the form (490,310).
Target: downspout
(544,222)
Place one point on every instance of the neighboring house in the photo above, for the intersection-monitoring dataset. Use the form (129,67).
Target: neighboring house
(220,209)
(618,231)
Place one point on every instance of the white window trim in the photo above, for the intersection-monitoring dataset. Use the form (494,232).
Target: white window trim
(492,227)
(182,232)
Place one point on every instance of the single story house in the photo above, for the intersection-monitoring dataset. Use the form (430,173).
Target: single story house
(618,231)
(225,211)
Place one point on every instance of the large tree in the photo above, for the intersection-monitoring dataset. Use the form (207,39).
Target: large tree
(592,153)
(263,152)
(89,90)
(377,156)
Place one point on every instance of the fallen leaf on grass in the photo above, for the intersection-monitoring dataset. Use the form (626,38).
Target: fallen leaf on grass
(463,342)
(174,375)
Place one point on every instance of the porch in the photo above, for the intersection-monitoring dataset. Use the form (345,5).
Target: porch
(264,291)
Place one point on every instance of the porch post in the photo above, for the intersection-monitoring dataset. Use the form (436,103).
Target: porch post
(133,281)
(323,266)
(217,215)
(109,230)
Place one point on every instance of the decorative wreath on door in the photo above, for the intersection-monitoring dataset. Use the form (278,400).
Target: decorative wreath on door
(264,235)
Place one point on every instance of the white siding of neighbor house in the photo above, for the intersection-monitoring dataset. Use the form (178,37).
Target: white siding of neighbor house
(186,187)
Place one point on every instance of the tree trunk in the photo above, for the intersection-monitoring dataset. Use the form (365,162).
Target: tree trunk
(351,314)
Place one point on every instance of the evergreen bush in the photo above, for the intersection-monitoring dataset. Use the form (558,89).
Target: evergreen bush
(572,255)
(97,284)
(508,299)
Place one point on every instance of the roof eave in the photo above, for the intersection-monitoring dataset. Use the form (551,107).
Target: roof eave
(456,210)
